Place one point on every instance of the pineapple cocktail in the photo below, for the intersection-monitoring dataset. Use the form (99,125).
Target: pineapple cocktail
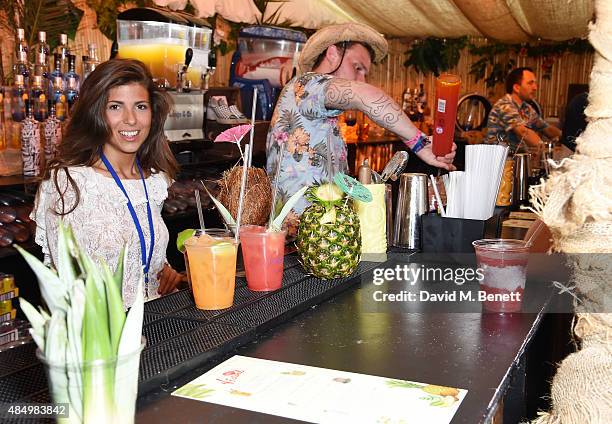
(329,240)
(212,270)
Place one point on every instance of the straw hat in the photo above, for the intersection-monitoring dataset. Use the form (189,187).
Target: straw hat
(333,34)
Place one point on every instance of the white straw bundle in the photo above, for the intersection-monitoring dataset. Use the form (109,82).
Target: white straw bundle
(472,195)
(453,185)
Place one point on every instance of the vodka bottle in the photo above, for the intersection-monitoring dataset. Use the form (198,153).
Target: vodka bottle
(22,67)
(72,93)
(53,135)
(38,99)
(40,51)
(58,98)
(71,73)
(64,51)
(19,97)
(30,146)
(92,60)
(21,45)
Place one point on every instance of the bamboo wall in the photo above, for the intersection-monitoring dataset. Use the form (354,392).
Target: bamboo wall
(391,76)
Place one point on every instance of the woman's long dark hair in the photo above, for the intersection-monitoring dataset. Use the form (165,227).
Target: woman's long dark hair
(88,131)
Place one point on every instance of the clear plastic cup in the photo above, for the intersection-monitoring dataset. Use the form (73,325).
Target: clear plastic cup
(263,253)
(504,266)
(213,232)
(212,270)
(68,382)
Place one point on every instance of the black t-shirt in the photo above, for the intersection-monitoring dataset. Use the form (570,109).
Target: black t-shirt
(575,120)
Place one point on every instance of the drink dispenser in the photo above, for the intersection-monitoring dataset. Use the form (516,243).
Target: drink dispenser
(265,58)
(160,38)
(175,46)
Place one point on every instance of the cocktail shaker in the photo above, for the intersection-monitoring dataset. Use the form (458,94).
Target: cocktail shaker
(411,204)
(389,212)
(520,190)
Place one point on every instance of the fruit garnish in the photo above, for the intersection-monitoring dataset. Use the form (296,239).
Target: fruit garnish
(182,237)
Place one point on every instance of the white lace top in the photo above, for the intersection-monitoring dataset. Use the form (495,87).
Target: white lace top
(102,223)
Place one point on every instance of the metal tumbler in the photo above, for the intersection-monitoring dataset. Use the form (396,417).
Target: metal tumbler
(520,190)
(389,213)
(411,204)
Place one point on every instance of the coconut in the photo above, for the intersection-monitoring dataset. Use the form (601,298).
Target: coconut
(257,196)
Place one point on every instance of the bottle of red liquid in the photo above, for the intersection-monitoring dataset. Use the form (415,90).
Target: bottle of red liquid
(445,113)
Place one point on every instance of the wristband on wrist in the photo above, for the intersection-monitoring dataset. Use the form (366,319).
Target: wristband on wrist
(418,142)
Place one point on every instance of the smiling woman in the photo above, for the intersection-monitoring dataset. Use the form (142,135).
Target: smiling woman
(110,178)
(128,115)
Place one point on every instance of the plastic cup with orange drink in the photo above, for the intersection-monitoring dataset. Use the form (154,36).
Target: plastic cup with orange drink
(212,270)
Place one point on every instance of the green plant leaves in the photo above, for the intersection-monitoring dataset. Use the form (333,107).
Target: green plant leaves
(278,221)
(53,16)
(106,14)
(435,55)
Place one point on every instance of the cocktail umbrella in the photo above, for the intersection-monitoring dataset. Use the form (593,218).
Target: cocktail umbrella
(258,190)
(234,135)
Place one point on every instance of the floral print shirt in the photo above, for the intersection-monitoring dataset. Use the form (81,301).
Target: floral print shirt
(506,115)
(303,129)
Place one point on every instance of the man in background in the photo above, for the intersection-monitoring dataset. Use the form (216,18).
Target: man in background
(513,121)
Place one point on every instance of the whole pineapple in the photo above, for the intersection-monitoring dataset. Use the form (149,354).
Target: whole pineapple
(329,240)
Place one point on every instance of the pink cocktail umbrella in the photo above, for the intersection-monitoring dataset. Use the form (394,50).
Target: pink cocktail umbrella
(234,135)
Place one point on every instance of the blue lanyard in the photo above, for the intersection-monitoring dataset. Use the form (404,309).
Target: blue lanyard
(146,259)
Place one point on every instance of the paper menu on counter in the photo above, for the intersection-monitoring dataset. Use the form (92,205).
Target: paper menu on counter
(321,395)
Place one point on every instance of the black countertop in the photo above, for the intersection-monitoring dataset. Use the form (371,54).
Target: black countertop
(330,324)
(478,352)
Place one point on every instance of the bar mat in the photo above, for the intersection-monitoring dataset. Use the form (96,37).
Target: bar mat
(149,317)
(162,363)
(170,303)
(22,383)
(166,328)
(181,337)
(17,358)
(242,297)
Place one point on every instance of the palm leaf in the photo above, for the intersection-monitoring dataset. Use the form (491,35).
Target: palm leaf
(53,16)
(278,221)
(107,11)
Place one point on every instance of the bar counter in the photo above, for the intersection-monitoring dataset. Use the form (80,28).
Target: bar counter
(319,323)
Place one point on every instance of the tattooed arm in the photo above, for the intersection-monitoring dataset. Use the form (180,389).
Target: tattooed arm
(346,94)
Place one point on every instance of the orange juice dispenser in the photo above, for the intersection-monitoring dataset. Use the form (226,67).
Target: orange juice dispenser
(175,46)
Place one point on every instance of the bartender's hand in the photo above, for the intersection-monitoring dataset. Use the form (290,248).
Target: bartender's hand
(168,280)
(445,162)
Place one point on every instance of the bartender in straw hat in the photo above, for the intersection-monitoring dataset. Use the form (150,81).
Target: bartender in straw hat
(334,64)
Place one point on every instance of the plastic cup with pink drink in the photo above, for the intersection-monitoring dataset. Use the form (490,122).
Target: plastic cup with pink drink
(263,253)
(504,266)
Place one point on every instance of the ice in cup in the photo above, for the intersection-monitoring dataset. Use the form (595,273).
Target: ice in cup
(263,253)
(213,232)
(212,270)
(504,265)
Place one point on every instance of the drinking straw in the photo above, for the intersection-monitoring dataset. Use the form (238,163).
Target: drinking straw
(252,134)
(330,166)
(275,188)
(199,207)
(500,174)
(532,237)
(438,198)
(243,183)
